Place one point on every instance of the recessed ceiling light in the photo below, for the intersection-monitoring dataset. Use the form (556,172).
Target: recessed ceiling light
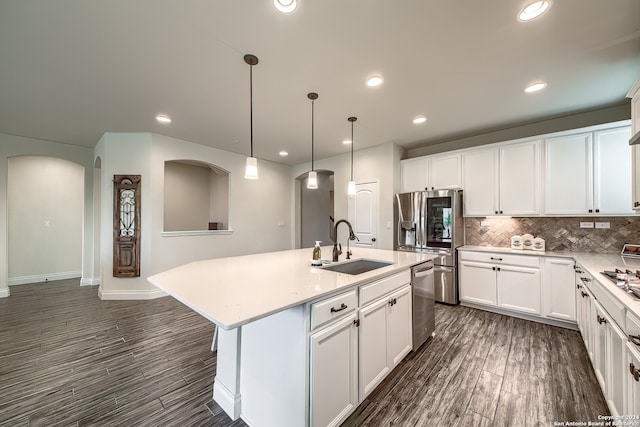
(285,6)
(535,87)
(374,81)
(533,9)
(163,118)
(419,119)
(346,141)
(283,153)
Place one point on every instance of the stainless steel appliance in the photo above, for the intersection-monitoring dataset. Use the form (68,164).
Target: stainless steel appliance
(424,318)
(431,221)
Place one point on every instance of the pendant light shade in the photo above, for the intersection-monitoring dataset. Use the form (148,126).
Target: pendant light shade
(351,188)
(251,169)
(312,180)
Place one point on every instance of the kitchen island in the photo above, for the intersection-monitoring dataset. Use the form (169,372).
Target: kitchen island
(270,311)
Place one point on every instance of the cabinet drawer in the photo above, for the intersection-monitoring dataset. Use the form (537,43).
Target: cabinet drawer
(325,311)
(499,258)
(375,290)
(613,307)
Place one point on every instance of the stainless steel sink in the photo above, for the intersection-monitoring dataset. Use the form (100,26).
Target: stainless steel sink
(358,266)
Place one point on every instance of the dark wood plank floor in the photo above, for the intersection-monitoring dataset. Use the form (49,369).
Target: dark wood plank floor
(70,359)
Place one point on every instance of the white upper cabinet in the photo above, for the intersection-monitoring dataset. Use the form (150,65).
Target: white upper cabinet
(519,179)
(634,94)
(568,175)
(612,171)
(502,180)
(588,173)
(480,182)
(445,172)
(414,174)
(431,172)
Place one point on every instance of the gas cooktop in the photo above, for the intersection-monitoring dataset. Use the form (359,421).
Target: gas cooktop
(626,280)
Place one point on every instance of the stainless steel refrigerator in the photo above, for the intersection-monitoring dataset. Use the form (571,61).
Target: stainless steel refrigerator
(431,222)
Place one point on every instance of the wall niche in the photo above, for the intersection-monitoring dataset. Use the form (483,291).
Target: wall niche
(196,197)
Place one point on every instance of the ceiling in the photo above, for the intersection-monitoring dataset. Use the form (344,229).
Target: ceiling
(72,70)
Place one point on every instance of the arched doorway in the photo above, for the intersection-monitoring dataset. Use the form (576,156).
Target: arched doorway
(315,210)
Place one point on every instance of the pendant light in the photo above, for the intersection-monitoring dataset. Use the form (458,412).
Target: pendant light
(312,180)
(251,170)
(351,189)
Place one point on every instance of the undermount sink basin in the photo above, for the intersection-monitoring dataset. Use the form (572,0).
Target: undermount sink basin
(358,266)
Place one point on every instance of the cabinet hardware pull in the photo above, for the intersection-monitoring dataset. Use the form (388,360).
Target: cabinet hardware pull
(356,322)
(498,268)
(590,210)
(597,210)
(635,339)
(601,320)
(579,286)
(634,372)
(390,302)
(584,294)
(493,268)
(496,259)
(395,301)
(342,307)
(500,211)
(496,212)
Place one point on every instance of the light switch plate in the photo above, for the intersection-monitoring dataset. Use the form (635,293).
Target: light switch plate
(586,224)
(603,225)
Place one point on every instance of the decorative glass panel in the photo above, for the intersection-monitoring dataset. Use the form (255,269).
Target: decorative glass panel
(127,212)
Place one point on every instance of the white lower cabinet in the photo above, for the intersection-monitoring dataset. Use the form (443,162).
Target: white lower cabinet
(519,288)
(505,281)
(632,381)
(334,372)
(385,337)
(616,369)
(353,347)
(558,289)
(600,343)
(478,283)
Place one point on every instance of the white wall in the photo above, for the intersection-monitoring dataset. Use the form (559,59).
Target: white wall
(259,211)
(45,210)
(382,163)
(10,146)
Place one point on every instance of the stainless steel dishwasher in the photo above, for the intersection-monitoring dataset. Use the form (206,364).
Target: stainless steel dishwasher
(424,317)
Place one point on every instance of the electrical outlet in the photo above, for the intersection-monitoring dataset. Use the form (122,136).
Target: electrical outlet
(388,225)
(586,224)
(603,225)
(484,223)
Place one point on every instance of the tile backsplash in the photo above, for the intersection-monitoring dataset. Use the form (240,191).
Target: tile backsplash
(559,233)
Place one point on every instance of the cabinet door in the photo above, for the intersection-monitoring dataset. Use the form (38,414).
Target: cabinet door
(414,174)
(612,171)
(636,176)
(559,299)
(373,338)
(399,326)
(584,300)
(334,375)
(519,178)
(632,381)
(616,369)
(600,328)
(519,289)
(445,172)
(480,182)
(568,175)
(478,283)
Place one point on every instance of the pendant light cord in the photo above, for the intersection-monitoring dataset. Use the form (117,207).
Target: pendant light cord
(251,104)
(312,116)
(352,151)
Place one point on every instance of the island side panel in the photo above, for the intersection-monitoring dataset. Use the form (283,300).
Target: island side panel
(226,386)
(274,370)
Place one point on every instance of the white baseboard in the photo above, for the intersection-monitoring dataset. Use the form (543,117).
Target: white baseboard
(4,293)
(129,295)
(90,281)
(38,278)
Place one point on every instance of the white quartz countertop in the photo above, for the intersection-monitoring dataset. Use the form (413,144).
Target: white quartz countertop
(234,291)
(593,263)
